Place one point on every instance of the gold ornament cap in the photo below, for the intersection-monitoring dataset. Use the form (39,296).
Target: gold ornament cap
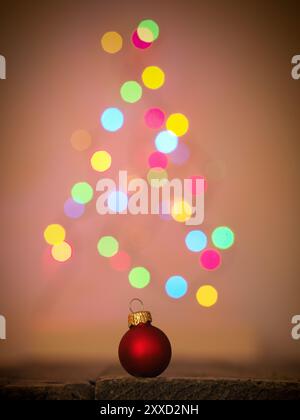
(138,317)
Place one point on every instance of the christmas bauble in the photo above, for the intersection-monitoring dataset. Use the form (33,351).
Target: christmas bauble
(144,351)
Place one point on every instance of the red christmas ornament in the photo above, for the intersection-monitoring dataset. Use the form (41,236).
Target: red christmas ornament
(144,351)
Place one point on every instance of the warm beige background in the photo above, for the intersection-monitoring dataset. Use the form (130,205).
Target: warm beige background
(228,68)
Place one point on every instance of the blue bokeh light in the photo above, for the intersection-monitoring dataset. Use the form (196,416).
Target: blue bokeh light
(176,287)
(112,119)
(166,141)
(117,201)
(196,240)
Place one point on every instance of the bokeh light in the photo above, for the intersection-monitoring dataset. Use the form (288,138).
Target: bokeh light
(178,124)
(138,43)
(158,160)
(117,201)
(82,193)
(196,189)
(101,161)
(181,211)
(61,252)
(121,261)
(148,30)
(72,209)
(112,119)
(81,140)
(139,277)
(207,296)
(112,42)
(166,142)
(176,287)
(108,246)
(196,240)
(157,177)
(180,155)
(223,237)
(210,259)
(153,77)
(131,91)
(54,234)
(154,118)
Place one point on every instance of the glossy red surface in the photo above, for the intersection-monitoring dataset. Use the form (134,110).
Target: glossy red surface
(145,351)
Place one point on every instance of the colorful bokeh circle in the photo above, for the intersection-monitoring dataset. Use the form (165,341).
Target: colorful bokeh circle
(154,118)
(176,287)
(101,161)
(82,193)
(54,234)
(196,240)
(112,42)
(153,77)
(131,91)
(121,261)
(181,211)
(72,209)
(223,237)
(166,142)
(117,201)
(139,277)
(148,30)
(158,160)
(157,177)
(210,259)
(207,296)
(138,43)
(81,140)
(180,155)
(178,124)
(108,246)
(112,119)
(61,252)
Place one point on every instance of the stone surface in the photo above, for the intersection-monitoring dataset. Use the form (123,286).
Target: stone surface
(182,381)
(29,390)
(195,389)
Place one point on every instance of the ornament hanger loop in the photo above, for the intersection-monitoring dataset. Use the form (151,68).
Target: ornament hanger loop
(136,300)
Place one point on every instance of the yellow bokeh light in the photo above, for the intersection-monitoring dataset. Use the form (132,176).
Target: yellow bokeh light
(54,234)
(61,252)
(157,177)
(112,42)
(207,296)
(153,77)
(178,124)
(101,161)
(81,140)
(181,211)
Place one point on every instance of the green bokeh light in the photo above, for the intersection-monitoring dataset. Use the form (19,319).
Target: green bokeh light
(82,193)
(148,25)
(131,92)
(139,277)
(108,246)
(223,237)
